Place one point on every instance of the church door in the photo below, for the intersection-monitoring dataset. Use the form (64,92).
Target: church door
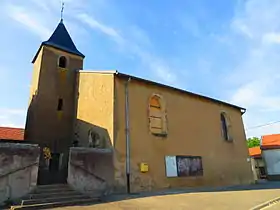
(52,172)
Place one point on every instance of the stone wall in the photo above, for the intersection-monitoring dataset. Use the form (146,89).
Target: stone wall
(91,170)
(18,170)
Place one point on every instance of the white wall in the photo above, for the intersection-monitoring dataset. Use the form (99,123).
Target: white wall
(272,160)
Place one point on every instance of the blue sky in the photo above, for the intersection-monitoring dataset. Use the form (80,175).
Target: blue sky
(228,50)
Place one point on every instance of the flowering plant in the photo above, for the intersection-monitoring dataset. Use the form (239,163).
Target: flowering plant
(47,153)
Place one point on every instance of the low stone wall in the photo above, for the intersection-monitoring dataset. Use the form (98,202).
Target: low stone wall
(18,170)
(91,170)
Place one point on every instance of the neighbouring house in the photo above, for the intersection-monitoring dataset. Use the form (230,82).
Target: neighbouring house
(270,146)
(258,165)
(11,134)
(159,136)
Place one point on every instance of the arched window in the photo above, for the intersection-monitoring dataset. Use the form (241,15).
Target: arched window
(62,62)
(225,126)
(157,117)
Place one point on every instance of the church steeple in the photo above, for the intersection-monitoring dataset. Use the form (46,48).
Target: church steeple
(52,105)
(61,40)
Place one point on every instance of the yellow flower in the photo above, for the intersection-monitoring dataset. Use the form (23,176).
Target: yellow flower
(47,153)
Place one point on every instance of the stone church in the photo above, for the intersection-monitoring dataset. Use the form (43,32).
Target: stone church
(159,136)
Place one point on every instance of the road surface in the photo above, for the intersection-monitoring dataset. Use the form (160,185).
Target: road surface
(241,198)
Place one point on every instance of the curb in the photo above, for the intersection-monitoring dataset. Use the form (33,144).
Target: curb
(266,204)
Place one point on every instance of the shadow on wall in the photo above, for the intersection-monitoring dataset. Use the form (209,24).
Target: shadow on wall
(90,166)
(91,136)
(91,170)
(85,134)
(88,134)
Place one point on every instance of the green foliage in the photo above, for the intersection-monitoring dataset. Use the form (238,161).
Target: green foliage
(253,142)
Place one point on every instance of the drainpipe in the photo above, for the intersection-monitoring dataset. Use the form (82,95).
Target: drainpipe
(127,136)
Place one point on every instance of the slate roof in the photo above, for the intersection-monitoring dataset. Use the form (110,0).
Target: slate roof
(7,133)
(60,39)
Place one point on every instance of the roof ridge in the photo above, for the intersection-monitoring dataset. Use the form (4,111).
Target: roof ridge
(275,134)
(12,127)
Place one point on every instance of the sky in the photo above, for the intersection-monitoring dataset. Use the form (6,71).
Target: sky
(228,50)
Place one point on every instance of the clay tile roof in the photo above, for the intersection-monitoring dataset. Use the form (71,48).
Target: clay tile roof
(7,133)
(271,141)
(255,152)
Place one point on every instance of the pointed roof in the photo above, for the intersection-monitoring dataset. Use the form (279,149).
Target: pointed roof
(61,39)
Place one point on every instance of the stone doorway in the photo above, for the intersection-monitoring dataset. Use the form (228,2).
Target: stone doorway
(51,171)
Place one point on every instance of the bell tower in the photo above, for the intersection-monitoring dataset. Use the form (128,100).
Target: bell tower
(51,112)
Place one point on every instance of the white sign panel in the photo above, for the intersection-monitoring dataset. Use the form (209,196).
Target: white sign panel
(171,166)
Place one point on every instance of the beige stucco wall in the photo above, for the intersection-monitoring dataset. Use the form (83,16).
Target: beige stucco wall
(95,102)
(43,125)
(193,129)
(35,76)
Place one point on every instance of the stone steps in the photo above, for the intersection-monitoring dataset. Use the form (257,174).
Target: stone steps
(50,196)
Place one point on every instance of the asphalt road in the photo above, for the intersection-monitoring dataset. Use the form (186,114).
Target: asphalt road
(241,198)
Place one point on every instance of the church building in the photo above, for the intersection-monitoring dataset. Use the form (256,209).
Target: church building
(160,136)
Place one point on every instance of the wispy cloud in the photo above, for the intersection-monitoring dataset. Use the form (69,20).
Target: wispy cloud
(21,15)
(12,117)
(12,111)
(271,38)
(254,81)
(137,44)
(42,5)
(107,30)
(40,17)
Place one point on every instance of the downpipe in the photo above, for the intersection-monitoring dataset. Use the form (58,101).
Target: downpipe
(127,136)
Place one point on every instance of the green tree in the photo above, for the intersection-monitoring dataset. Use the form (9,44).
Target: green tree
(253,142)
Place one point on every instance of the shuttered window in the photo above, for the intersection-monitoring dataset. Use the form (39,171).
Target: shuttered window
(157,116)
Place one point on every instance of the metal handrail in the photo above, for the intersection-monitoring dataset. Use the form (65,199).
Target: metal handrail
(92,174)
(16,170)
